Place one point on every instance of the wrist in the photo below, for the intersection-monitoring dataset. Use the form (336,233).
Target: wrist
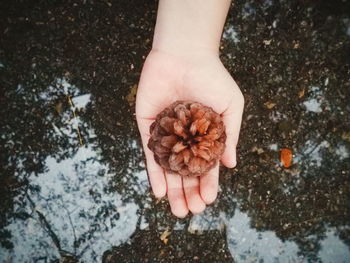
(190,27)
(183,46)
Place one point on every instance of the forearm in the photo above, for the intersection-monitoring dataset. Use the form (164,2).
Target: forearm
(187,26)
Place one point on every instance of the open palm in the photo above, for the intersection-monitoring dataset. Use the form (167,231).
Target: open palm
(166,78)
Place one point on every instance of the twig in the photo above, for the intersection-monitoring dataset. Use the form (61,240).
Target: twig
(71,223)
(75,117)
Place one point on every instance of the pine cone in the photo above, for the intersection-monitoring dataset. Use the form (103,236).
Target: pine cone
(187,138)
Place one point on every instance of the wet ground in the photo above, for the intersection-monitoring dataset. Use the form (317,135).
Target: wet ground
(73,185)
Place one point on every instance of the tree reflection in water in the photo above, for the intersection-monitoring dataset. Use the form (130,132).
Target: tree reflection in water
(69,208)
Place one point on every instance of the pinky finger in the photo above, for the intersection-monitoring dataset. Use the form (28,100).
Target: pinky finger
(209,184)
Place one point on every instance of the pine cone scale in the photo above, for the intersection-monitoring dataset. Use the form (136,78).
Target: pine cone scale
(169,141)
(178,147)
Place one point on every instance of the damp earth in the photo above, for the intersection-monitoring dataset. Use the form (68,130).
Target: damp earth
(73,185)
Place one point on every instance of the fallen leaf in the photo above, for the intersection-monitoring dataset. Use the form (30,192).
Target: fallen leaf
(58,107)
(296,45)
(286,157)
(269,105)
(258,150)
(301,93)
(164,236)
(131,97)
(346,136)
(108,258)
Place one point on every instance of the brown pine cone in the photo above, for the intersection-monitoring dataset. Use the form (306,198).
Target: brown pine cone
(187,138)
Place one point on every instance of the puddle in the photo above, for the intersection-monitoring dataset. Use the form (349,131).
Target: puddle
(70,213)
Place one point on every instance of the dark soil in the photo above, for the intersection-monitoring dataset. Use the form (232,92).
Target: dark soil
(290,58)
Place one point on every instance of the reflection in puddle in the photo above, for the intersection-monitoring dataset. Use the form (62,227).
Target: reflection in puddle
(249,245)
(313,104)
(72,206)
(246,244)
(333,249)
(70,209)
(342,152)
(231,34)
(206,221)
(248,10)
(312,153)
(81,101)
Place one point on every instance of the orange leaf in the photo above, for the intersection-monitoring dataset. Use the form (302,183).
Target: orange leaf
(165,235)
(286,157)
(269,105)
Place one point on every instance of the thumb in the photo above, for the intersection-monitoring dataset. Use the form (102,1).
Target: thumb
(232,119)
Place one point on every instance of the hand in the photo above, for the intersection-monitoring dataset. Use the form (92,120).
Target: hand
(198,76)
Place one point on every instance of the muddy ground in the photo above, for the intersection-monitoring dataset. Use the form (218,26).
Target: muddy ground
(73,185)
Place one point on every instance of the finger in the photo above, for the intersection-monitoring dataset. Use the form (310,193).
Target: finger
(155,172)
(193,198)
(176,195)
(209,185)
(232,119)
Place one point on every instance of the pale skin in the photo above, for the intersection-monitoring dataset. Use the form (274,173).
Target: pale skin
(184,64)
